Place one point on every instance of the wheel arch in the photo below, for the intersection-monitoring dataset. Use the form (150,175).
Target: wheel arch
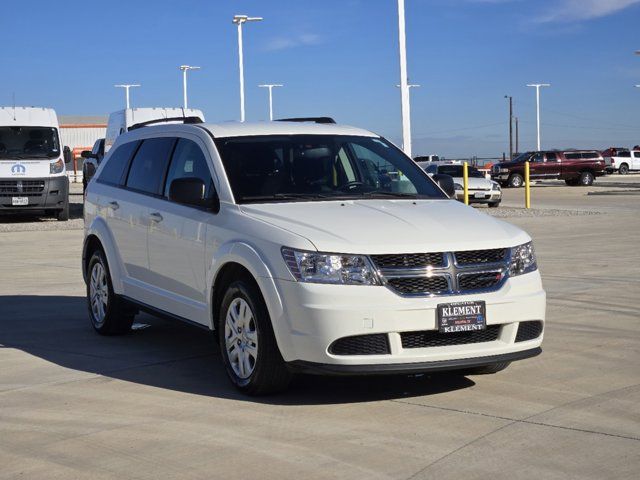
(98,235)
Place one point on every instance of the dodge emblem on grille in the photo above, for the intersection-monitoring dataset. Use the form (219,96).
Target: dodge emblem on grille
(19,186)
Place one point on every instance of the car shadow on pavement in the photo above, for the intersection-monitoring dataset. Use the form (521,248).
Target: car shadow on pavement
(176,356)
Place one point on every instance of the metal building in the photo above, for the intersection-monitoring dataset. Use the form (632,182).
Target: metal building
(79,132)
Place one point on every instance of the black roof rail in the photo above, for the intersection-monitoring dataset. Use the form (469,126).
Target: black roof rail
(164,120)
(307,119)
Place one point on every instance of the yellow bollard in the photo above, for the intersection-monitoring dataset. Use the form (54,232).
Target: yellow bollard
(465,178)
(527,186)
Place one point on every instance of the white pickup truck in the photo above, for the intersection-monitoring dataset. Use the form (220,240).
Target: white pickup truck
(626,161)
(32,166)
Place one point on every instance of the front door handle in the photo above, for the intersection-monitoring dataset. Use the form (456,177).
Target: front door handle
(114,205)
(155,217)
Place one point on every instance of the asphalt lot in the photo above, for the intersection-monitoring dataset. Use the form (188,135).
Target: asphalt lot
(156,403)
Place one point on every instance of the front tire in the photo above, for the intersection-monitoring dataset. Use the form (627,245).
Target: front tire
(108,313)
(247,343)
(516,180)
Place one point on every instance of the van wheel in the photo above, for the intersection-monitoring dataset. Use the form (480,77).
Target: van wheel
(486,370)
(624,169)
(516,180)
(586,179)
(63,215)
(249,350)
(109,314)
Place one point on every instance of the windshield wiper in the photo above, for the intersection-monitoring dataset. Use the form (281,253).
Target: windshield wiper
(384,193)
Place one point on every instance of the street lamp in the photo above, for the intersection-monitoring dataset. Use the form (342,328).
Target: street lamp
(510,126)
(126,87)
(239,20)
(537,87)
(270,86)
(184,69)
(404,82)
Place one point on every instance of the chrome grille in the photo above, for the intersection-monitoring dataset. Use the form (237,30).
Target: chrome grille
(444,273)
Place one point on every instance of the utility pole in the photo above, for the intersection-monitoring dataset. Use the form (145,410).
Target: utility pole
(184,69)
(404,83)
(126,87)
(517,137)
(537,87)
(510,126)
(270,86)
(239,20)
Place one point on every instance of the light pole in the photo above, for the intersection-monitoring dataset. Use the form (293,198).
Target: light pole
(517,136)
(537,86)
(184,69)
(126,87)
(270,86)
(239,20)
(404,83)
(510,126)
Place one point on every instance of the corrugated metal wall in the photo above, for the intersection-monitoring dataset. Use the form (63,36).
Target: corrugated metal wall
(78,137)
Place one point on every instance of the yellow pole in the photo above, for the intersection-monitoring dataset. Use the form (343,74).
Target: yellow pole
(465,177)
(527,186)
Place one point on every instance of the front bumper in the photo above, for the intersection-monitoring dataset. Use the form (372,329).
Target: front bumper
(42,193)
(487,196)
(314,316)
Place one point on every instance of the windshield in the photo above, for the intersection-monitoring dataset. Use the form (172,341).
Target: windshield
(523,157)
(314,167)
(29,142)
(456,171)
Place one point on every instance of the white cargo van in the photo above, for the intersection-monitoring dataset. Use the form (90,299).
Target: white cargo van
(32,165)
(122,120)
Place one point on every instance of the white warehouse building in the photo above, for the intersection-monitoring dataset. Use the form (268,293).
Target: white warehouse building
(80,132)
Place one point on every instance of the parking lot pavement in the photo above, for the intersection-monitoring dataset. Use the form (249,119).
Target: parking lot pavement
(156,403)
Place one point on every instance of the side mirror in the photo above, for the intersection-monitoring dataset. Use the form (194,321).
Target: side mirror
(87,154)
(446,183)
(191,191)
(66,153)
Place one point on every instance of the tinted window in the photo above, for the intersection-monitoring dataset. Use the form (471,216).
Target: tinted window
(113,171)
(590,155)
(636,154)
(572,156)
(626,154)
(188,162)
(150,164)
(457,171)
(552,157)
(537,158)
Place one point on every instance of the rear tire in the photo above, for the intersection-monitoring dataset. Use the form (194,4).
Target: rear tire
(624,169)
(63,215)
(586,179)
(487,369)
(248,345)
(516,181)
(109,314)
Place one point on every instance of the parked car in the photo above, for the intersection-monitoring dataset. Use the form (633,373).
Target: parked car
(575,167)
(274,237)
(32,162)
(607,156)
(122,121)
(481,189)
(91,161)
(626,161)
(426,158)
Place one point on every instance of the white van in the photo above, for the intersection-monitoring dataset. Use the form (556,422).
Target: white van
(122,120)
(32,165)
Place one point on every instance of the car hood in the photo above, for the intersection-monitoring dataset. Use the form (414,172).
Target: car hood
(389,226)
(476,183)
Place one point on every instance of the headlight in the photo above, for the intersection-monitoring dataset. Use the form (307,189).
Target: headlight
(495,186)
(523,260)
(57,166)
(316,267)
(457,186)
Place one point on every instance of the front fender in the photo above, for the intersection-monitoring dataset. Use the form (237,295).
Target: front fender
(100,229)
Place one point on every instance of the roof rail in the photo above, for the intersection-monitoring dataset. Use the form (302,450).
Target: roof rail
(307,119)
(164,120)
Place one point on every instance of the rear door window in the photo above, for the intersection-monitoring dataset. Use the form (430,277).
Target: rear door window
(636,154)
(189,162)
(149,166)
(590,155)
(552,157)
(114,171)
(573,156)
(624,154)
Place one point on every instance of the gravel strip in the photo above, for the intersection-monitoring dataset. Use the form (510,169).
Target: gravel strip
(505,212)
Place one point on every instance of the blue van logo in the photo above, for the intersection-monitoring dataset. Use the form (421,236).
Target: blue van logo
(18,169)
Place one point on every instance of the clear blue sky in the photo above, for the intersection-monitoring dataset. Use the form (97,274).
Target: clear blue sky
(340,58)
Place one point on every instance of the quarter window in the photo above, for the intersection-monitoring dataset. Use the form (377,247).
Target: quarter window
(114,170)
(150,164)
(189,162)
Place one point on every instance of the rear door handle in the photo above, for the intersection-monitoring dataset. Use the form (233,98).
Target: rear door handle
(156,217)
(113,205)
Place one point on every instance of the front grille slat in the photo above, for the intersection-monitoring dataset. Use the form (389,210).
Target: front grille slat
(409,260)
(433,338)
(373,344)
(419,285)
(479,281)
(472,257)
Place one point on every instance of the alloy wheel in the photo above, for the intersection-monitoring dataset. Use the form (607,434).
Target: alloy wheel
(98,293)
(241,338)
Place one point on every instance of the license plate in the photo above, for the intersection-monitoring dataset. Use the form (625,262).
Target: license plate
(480,195)
(462,317)
(19,201)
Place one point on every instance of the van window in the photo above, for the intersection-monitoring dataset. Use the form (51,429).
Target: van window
(552,157)
(572,156)
(625,154)
(148,167)
(114,170)
(590,155)
(189,162)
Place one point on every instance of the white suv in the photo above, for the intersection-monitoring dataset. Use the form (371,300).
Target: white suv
(308,247)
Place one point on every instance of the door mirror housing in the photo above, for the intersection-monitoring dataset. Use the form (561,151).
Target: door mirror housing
(191,191)
(66,154)
(446,183)
(87,154)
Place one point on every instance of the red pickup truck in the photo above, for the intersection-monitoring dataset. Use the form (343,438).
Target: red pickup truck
(575,167)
